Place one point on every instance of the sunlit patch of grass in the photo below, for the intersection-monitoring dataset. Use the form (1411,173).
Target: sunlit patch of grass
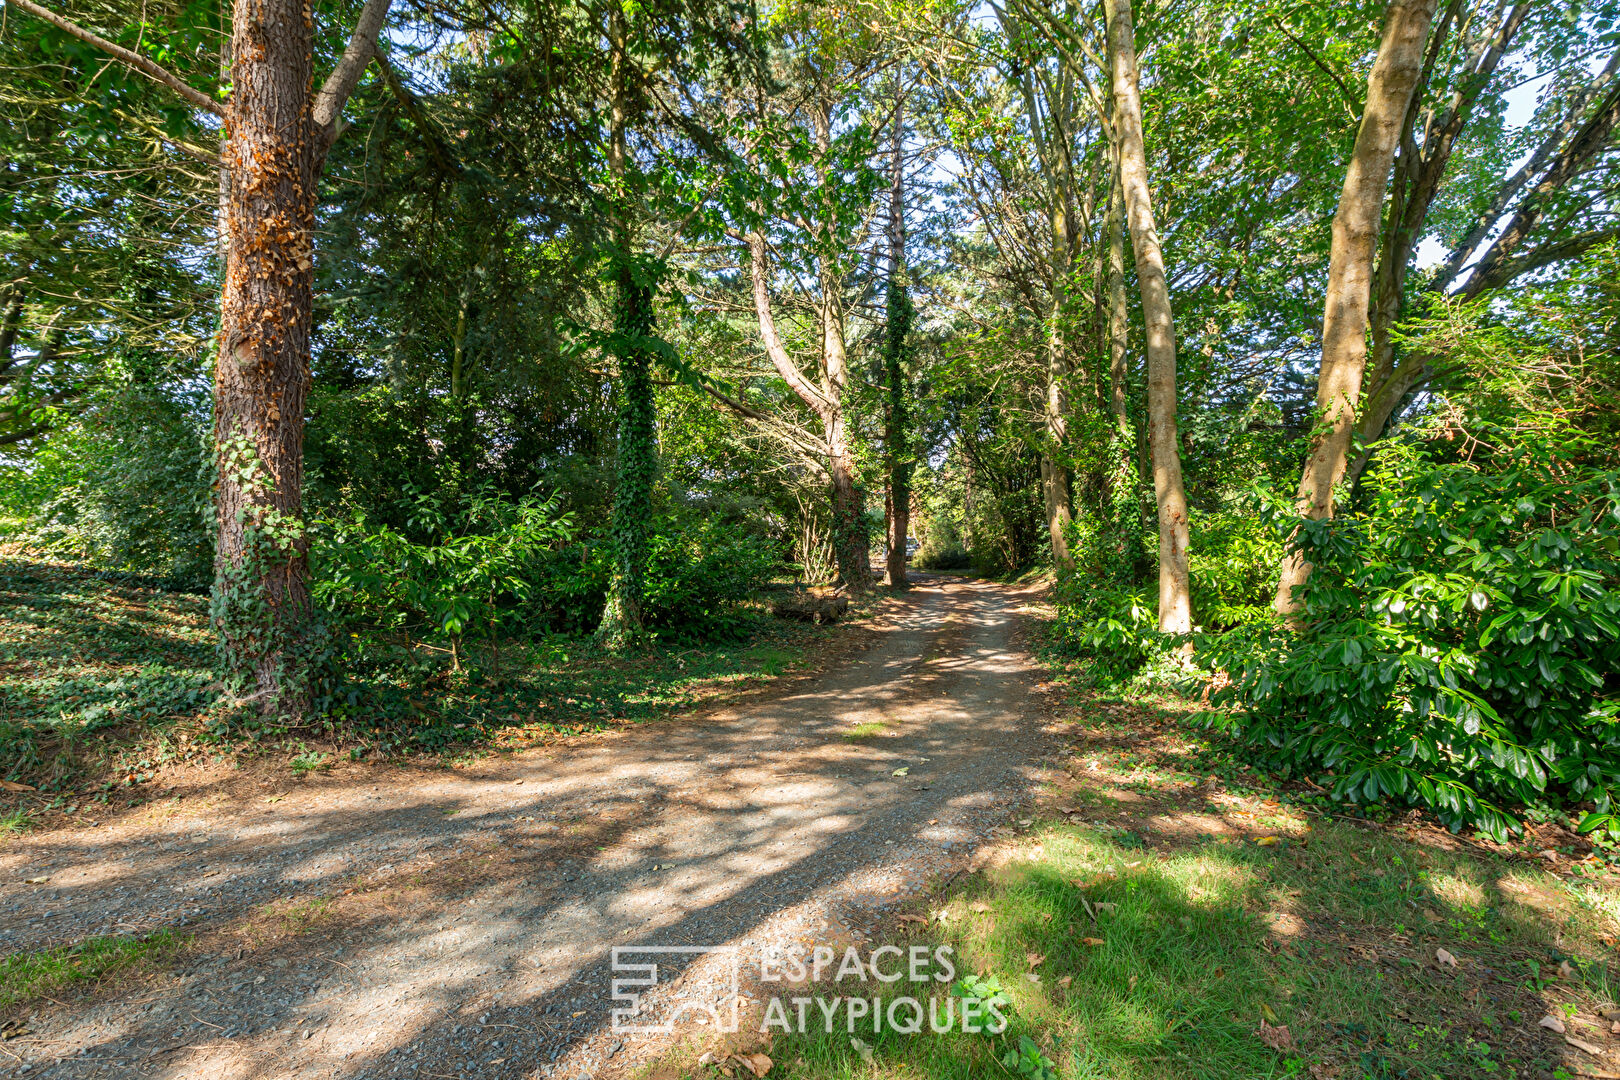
(871,729)
(1122,963)
(14,823)
(25,976)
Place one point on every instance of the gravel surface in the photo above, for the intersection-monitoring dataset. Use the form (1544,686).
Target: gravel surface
(459,924)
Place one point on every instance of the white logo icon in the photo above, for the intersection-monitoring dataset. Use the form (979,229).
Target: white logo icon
(639,965)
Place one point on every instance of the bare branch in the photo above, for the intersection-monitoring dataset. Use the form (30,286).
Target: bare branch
(346,76)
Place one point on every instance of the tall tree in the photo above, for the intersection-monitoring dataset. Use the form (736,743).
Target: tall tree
(1390,85)
(898,313)
(633,326)
(279,131)
(1175,599)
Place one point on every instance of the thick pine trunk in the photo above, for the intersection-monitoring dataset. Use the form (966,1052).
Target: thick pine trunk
(261,607)
(1175,602)
(1350,271)
(849,536)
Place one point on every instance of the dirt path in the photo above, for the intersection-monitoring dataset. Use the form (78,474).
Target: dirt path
(459,924)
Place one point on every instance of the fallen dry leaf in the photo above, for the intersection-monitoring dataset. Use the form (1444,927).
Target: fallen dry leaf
(922,919)
(901,771)
(1065,981)
(1092,941)
(980,907)
(1565,971)
(35,880)
(12,785)
(1443,957)
(1595,1051)
(758,1064)
(1552,1023)
(1267,841)
(1276,1036)
(1034,959)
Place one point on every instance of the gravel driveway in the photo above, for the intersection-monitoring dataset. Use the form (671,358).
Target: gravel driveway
(458,924)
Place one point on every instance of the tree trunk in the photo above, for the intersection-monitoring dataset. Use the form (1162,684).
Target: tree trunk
(1054,470)
(261,606)
(1175,602)
(623,623)
(896,436)
(1118,324)
(1350,270)
(850,539)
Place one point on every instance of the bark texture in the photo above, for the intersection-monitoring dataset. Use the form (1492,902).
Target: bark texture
(1356,224)
(261,603)
(1175,601)
(896,349)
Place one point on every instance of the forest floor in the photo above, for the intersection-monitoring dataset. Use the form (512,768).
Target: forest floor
(1144,908)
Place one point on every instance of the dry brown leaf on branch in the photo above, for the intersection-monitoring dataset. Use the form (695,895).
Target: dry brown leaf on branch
(1444,958)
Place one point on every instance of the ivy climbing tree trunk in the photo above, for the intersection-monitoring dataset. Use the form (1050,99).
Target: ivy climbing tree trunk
(1350,271)
(622,623)
(278,134)
(1175,601)
(896,351)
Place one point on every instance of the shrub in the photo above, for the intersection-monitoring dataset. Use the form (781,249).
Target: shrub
(494,568)
(1459,645)
(1116,630)
(468,580)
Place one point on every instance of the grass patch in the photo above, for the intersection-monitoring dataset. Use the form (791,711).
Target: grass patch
(1165,964)
(14,823)
(26,976)
(869,730)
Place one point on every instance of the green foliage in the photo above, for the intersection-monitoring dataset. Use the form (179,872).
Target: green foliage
(494,568)
(125,488)
(1115,629)
(468,578)
(1459,644)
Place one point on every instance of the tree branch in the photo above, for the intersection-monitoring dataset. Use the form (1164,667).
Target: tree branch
(346,76)
(132,59)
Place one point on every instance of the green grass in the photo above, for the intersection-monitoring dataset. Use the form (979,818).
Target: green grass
(1190,950)
(26,976)
(869,730)
(14,823)
(106,680)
